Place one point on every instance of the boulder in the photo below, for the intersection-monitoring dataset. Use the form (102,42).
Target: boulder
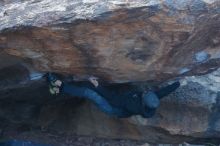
(116,40)
(29,112)
(141,41)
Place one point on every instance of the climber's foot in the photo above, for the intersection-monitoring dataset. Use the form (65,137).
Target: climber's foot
(54,80)
(54,84)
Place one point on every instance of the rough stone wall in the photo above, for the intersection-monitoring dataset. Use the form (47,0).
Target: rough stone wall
(43,12)
(191,114)
(119,41)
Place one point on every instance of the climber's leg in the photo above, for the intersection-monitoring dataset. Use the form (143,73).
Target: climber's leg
(86,90)
(100,101)
(167,90)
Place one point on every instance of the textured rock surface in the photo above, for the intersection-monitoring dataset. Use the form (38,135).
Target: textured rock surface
(118,41)
(27,111)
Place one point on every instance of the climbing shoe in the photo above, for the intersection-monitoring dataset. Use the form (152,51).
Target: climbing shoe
(54,84)
(54,90)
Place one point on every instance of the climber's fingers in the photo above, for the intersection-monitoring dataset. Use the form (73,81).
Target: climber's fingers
(94,81)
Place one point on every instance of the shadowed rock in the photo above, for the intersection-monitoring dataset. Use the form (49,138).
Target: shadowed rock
(117,41)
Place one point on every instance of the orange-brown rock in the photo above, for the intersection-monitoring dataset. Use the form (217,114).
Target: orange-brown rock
(150,41)
(118,41)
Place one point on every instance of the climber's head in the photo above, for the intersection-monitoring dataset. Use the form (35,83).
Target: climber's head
(151,100)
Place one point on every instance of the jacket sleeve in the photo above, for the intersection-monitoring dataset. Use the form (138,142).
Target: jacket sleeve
(148,113)
(167,90)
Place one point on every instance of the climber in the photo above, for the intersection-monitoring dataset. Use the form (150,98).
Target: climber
(120,100)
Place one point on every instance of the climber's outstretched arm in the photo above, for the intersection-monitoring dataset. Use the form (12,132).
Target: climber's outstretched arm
(167,90)
(100,101)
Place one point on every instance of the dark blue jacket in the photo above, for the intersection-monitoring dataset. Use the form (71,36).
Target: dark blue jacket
(125,97)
